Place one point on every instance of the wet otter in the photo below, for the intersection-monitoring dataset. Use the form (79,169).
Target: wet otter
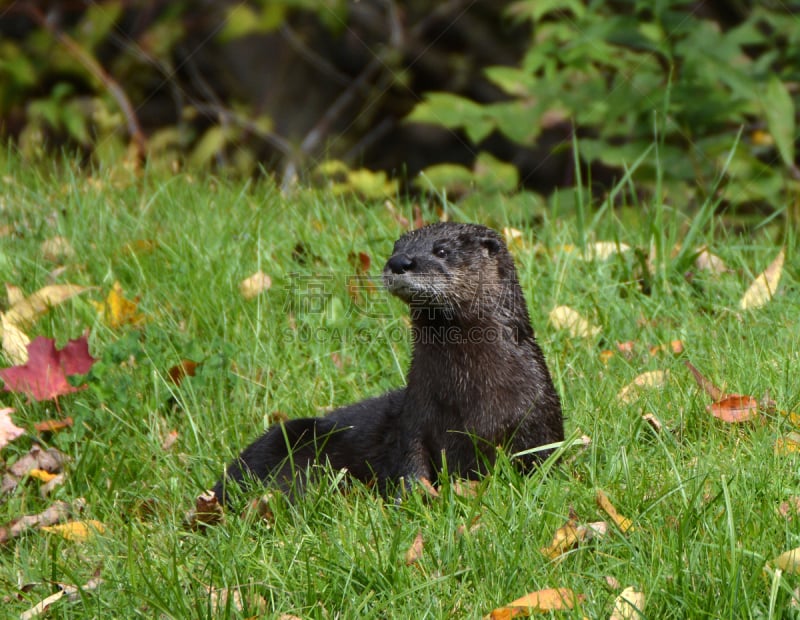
(477,378)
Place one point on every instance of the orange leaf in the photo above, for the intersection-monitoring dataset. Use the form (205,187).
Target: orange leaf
(550,599)
(78,531)
(788,444)
(414,552)
(181,370)
(734,408)
(41,475)
(52,426)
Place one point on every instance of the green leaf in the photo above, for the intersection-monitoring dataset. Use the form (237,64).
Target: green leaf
(779,110)
(210,144)
(493,175)
(98,20)
(453,112)
(453,178)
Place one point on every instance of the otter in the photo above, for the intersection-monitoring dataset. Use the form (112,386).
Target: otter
(478,379)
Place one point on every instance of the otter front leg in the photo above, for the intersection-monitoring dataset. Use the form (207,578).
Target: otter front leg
(415,466)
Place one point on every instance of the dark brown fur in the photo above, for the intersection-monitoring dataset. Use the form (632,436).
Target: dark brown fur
(477,378)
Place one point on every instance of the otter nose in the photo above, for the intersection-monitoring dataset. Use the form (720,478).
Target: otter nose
(399,263)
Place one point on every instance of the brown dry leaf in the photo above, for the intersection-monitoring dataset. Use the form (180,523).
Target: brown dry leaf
(734,408)
(626,348)
(50,485)
(50,460)
(26,310)
(414,552)
(116,310)
(8,430)
(53,514)
(181,370)
(551,599)
(788,561)
(564,539)
(788,444)
(76,531)
(653,421)
(53,426)
(428,488)
(629,605)
(207,511)
(612,582)
(465,488)
(764,286)
(675,347)
(709,388)
(651,379)
(623,523)
(564,317)
(254,285)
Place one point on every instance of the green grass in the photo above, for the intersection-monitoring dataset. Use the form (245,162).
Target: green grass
(703,495)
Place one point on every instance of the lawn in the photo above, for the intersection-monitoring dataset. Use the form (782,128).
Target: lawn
(711,503)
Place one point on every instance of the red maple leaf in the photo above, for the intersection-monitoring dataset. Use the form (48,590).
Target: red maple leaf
(44,376)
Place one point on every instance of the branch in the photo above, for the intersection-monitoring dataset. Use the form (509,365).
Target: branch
(95,68)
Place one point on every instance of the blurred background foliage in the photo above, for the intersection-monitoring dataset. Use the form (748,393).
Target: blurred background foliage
(678,98)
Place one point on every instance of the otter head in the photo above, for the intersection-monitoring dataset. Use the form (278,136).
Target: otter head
(457,268)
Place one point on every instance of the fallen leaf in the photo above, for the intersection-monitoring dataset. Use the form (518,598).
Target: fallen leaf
(603,250)
(626,348)
(181,370)
(514,239)
(53,514)
(653,421)
(790,508)
(764,286)
(606,355)
(116,310)
(564,539)
(623,523)
(76,531)
(207,511)
(651,379)
(629,605)
(26,310)
(53,426)
(709,388)
(734,408)
(41,475)
(788,561)
(788,444)
(48,486)
(612,582)
(465,488)
(169,440)
(15,342)
(56,249)
(8,430)
(551,599)
(427,488)
(14,294)
(254,285)
(706,261)
(50,460)
(44,376)
(414,552)
(41,607)
(564,317)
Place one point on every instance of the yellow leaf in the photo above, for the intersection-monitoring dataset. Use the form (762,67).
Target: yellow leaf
(603,250)
(254,285)
(788,561)
(118,311)
(77,531)
(788,444)
(14,294)
(764,286)
(514,239)
(564,317)
(41,474)
(629,605)
(623,523)
(542,600)
(24,311)
(651,379)
(15,342)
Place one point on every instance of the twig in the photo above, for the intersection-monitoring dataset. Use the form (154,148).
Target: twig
(95,68)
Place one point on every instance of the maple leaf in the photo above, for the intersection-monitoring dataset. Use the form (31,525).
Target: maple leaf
(116,310)
(44,376)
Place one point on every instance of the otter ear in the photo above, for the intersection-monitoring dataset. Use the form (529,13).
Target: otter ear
(491,244)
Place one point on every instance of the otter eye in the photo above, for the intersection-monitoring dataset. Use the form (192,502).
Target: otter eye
(440,252)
